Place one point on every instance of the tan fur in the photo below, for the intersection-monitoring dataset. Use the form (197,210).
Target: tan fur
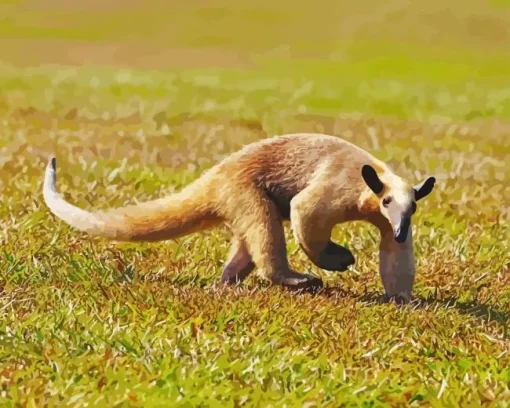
(170,217)
(313,180)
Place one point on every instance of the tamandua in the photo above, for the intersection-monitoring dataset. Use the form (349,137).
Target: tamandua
(315,181)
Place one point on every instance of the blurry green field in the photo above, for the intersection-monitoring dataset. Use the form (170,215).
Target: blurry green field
(87,322)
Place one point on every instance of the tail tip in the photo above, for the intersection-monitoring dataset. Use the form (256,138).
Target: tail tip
(50,180)
(53,163)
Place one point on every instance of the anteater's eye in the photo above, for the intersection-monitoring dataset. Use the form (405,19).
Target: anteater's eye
(413,207)
(386,201)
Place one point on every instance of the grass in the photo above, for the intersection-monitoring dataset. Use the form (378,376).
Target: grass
(87,322)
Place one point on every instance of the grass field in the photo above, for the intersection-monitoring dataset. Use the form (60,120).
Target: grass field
(137,100)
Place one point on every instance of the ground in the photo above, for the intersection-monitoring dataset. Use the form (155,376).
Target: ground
(137,99)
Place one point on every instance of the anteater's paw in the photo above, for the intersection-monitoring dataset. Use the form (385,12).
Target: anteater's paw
(297,281)
(230,280)
(235,272)
(335,258)
(399,299)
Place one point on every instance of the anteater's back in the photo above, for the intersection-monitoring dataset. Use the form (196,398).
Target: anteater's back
(283,165)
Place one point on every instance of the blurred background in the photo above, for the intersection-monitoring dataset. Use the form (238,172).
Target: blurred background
(380,56)
(231,34)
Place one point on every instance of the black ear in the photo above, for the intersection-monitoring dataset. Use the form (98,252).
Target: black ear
(424,188)
(372,179)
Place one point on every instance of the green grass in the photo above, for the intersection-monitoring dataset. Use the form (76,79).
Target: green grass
(87,322)
(312,87)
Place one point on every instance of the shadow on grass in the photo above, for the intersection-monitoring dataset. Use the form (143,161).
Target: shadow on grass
(480,310)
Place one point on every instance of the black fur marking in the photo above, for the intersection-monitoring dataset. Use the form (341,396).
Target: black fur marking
(424,188)
(281,197)
(335,258)
(372,179)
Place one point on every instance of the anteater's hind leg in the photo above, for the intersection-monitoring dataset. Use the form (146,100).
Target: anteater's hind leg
(239,264)
(256,220)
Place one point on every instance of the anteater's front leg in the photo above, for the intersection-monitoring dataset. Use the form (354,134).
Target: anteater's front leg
(312,228)
(396,265)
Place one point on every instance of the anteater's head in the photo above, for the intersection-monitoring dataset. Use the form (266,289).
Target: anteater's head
(397,200)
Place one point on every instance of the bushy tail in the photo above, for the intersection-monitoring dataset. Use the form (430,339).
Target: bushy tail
(188,211)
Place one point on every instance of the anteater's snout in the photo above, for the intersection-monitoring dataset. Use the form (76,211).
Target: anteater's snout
(402,231)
